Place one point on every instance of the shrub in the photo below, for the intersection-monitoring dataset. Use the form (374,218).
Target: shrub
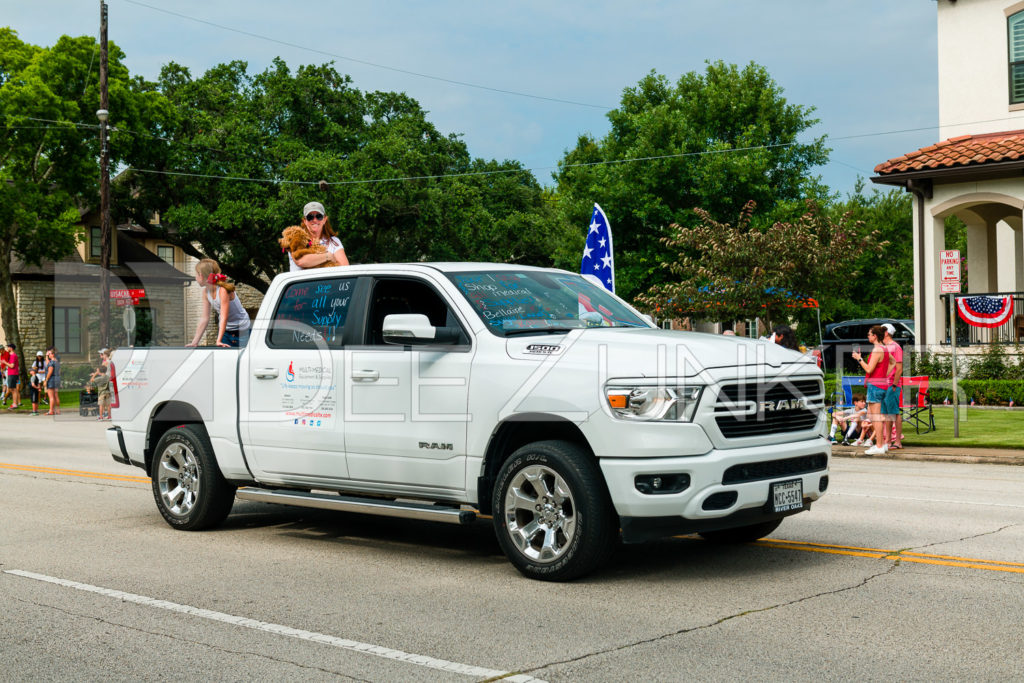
(986,392)
(75,376)
(989,365)
(928,364)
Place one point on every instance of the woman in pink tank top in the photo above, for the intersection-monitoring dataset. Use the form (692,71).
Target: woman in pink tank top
(876,371)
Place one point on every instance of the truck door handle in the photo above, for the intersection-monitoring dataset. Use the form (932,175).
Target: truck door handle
(266,373)
(365,375)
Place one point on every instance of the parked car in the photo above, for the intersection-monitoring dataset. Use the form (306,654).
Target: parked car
(841,339)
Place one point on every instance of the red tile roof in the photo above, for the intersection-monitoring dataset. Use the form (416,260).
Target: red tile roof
(966,150)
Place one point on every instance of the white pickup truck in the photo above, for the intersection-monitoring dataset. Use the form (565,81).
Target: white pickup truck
(454,391)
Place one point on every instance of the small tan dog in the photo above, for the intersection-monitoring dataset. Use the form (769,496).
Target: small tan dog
(296,240)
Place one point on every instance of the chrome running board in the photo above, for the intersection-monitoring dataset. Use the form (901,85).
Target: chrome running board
(369,506)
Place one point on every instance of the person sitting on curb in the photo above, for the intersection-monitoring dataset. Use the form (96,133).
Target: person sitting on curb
(849,420)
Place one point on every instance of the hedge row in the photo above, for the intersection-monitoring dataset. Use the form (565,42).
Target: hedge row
(985,392)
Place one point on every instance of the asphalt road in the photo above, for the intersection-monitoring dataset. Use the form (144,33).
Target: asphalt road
(906,570)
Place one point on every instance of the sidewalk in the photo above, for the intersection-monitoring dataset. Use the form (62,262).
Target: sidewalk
(993,456)
(989,456)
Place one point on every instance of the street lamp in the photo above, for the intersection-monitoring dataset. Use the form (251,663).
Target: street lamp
(105,237)
(103,114)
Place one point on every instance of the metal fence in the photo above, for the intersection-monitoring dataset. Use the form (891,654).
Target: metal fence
(1010,332)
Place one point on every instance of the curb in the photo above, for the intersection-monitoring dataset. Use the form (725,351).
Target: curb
(972,456)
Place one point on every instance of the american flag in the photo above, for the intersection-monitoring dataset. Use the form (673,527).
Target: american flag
(985,311)
(598,265)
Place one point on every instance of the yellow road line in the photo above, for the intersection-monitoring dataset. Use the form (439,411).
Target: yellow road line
(989,567)
(830,551)
(74,473)
(780,543)
(878,554)
(829,545)
(964,559)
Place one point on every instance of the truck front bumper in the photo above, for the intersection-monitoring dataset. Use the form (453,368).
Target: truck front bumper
(726,488)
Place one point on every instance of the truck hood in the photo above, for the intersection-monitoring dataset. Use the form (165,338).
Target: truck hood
(649,352)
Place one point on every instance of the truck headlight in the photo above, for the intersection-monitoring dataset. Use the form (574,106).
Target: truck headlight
(669,404)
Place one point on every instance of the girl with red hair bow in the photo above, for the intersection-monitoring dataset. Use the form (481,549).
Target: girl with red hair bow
(232,320)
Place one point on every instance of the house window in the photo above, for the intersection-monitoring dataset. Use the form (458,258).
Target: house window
(95,242)
(1015,26)
(67,329)
(146,332)
(166,254)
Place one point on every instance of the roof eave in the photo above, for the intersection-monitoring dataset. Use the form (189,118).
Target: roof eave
(989,171)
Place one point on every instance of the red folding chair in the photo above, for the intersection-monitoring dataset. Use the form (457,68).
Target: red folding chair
(917,409)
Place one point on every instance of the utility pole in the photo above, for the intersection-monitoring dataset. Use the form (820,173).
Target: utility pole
(105,237)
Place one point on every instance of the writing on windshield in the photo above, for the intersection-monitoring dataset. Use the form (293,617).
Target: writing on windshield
(510,300)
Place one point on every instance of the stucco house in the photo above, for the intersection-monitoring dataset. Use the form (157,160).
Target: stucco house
(976,171)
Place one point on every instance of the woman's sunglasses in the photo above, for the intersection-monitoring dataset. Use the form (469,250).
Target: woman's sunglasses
(314,216)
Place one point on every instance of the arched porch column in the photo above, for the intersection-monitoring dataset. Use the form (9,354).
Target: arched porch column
(929,316)
(1006,239)
(981,255)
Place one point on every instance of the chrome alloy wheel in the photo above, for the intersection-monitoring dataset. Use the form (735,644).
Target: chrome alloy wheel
(178,478)
(540,513)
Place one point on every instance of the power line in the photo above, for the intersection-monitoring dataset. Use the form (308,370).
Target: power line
(441,176)
(368,63)
(115,129)
(367,181)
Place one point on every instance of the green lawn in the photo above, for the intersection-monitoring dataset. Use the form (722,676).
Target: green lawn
(68,402)
(982,428)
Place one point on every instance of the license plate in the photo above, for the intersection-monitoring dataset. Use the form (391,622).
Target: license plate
(788,495)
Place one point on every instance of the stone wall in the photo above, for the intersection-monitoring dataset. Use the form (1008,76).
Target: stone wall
(33,318)
(36,300)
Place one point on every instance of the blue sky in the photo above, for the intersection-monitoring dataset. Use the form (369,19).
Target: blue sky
(868,67)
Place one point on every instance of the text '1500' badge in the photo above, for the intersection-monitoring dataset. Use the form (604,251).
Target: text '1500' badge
(544,349)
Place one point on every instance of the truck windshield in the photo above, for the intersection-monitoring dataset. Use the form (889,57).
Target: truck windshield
(521,302)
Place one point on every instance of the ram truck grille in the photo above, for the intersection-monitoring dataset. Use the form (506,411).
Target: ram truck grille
(773,407)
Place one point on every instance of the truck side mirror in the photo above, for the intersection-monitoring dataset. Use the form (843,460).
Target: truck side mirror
(414,329)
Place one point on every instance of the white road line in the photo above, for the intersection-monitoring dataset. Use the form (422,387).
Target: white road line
(928,500)
(278,629)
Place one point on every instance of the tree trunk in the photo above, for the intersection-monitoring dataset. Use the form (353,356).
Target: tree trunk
(9,311)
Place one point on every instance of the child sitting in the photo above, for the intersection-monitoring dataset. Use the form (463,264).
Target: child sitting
(849,420)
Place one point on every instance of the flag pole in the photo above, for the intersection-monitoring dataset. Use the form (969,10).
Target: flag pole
(611,249)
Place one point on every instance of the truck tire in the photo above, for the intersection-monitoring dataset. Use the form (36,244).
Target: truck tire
(742,534)
(190,491)
(552,513)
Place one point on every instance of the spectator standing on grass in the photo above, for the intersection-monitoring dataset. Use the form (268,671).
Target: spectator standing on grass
(52,380)
(891,404)
(876,369)
(4,391)
(13,376)
(37,380)
(100,381)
